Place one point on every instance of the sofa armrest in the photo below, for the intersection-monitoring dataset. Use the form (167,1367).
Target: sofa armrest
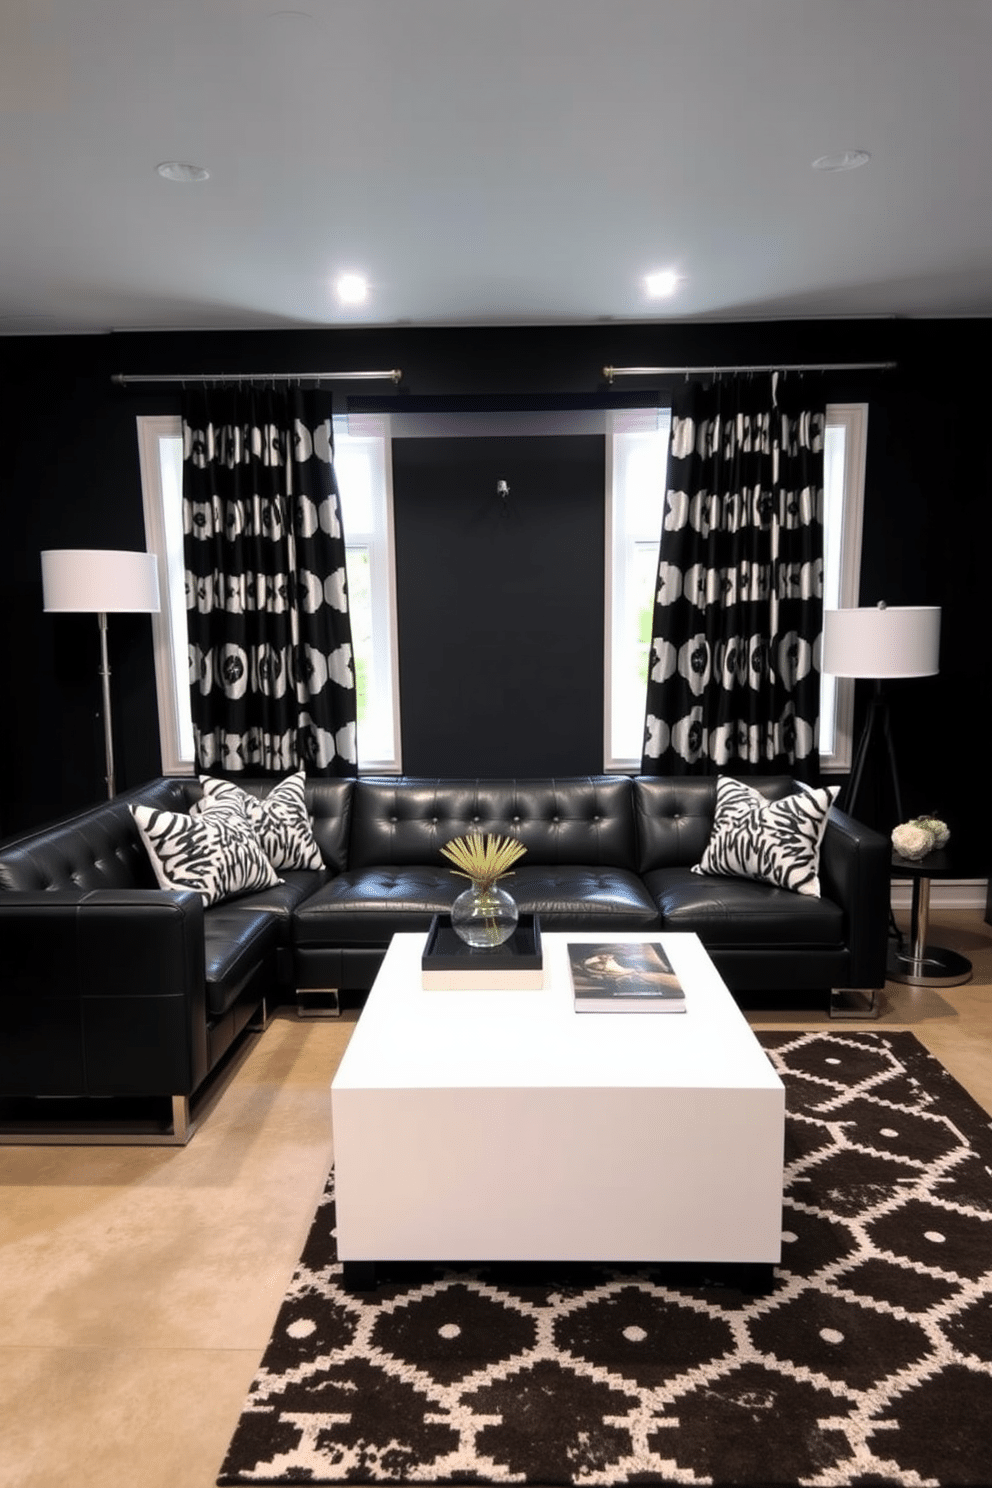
(103,992)
(855,873)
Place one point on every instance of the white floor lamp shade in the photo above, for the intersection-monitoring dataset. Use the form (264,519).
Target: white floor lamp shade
(100,581)
(882,642)
(886,641)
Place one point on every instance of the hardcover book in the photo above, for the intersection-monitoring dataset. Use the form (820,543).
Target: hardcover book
(624,977)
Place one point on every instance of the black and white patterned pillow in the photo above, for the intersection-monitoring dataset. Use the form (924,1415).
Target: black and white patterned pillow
(280,819)
(216,854)
(775,842)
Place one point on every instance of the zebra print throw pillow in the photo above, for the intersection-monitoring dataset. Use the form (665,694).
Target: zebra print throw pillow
(776,842)
(216,854)
(280,819)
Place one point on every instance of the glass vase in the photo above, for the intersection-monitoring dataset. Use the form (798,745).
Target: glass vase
(484,915)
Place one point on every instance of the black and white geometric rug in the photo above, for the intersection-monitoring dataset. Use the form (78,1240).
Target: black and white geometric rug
(868,1362)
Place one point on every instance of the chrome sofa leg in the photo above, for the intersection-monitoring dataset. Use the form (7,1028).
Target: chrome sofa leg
(318,1002)
(260,1018)
(855,1002)
(182,1128)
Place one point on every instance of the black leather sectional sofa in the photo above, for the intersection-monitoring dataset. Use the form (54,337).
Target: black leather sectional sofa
(113,987)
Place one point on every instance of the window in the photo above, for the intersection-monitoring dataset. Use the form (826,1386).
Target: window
(637,452)
(843,504)
(363,470)
(160,449)
(636,458)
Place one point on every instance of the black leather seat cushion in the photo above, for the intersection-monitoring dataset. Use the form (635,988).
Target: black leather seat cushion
(282,898)
(236,940)
(581,898)
(368,905)
(739,912)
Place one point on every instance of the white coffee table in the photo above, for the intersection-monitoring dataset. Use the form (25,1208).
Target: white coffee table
(504,1126)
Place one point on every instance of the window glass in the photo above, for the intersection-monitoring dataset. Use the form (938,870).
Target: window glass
(637,459)
(170,452)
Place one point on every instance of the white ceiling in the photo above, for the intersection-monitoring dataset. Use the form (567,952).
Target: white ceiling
(491,161)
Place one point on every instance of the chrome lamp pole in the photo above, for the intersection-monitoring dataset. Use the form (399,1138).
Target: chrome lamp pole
(101,581)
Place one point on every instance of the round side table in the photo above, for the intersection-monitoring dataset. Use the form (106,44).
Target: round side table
(924,965)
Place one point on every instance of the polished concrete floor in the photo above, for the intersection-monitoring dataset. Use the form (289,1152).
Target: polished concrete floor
(138,1286)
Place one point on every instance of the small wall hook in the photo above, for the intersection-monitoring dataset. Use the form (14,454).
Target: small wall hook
(502,489)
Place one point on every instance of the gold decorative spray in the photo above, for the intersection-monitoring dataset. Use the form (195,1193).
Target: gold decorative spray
(483,859)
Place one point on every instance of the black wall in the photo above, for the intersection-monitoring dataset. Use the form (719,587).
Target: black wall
(501,603)
(500,619)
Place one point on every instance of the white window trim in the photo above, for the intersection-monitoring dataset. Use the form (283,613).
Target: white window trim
(615,593)
(854,418)
(610,765)
(382,548)
(151,430)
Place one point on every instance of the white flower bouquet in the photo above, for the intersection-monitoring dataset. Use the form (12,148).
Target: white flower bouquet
(924,834)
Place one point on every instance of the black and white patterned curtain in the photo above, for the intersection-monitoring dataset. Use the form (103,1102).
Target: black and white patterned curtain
(272,675)
(733,673)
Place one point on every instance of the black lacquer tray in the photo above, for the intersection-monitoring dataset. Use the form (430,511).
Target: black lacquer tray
(445,952)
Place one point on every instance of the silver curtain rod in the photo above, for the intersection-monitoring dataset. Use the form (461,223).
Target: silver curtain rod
(610,372)
(121,379)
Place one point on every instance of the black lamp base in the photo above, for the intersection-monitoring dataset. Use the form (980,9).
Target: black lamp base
(878,727)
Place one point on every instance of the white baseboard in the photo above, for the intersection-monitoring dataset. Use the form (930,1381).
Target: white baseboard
(945,893)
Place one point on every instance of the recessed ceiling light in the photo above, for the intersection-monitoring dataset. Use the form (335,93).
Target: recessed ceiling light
(846,160)
(352,289)
(661,284)
(178,170)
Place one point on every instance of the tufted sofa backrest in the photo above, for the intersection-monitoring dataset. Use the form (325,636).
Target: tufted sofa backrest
(584,819)
(674,815)
(329,803)
(102,849)
(96,849)
(599,820)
